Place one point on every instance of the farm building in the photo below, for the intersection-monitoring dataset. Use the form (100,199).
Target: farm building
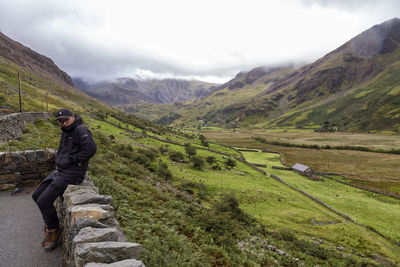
(302,169)
(305,171)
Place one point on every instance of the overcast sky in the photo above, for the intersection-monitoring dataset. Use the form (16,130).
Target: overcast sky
(208,40)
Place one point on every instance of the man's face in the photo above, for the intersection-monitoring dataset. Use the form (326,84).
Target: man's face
(66,122)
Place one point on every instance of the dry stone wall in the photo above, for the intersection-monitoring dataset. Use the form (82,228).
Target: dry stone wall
(11,125)
(91,235)
(25,167)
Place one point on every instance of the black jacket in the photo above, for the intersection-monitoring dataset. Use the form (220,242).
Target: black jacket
(75,149)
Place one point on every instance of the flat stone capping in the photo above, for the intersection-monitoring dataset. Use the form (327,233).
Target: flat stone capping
(91,235)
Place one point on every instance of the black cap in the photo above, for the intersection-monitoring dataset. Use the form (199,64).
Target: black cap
(64,114)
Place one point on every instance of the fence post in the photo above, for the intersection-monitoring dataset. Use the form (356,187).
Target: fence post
(19,90)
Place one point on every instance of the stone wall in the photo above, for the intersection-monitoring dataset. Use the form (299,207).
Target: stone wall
(25,167)
(11,125)
(91,235)
(313,198)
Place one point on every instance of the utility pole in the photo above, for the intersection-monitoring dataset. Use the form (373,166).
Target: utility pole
(19,90)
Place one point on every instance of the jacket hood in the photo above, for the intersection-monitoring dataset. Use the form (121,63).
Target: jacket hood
(78,121)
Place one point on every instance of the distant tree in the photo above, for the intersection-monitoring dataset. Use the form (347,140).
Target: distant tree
(205,143)
(210,159)
(197,161)
(216,167)
(163,171)
(163,149)
(176,156)
(202,137)
(190,150)
(230,163)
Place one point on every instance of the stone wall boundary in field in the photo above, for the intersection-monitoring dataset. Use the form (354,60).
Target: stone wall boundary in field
(363,188)
(314,198)
(12,125)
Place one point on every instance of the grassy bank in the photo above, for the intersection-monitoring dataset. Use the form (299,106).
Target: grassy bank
(185,215)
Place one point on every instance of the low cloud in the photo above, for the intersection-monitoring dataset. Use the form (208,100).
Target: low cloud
(99,40)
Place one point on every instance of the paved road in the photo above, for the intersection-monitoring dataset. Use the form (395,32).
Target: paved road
(21,233)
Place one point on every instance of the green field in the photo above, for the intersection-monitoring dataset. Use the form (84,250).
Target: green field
(378,171)
(379,212)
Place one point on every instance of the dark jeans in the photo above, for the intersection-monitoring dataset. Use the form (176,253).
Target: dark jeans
(47,192)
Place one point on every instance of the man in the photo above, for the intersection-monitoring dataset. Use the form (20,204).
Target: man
(74,151)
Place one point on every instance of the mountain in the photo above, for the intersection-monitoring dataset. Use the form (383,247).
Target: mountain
(131,92)
(35,62)
(40,76)
(175,209)
(243,87)
(354,87)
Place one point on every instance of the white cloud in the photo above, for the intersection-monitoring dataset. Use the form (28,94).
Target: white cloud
(208,39)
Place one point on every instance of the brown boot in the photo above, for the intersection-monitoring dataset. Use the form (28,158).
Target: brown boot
(45,234)
(52,239)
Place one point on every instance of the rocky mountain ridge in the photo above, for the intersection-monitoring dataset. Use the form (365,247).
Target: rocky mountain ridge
(355,86)
(133,91)
(26,57)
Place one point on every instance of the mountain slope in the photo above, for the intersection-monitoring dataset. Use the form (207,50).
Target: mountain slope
(352,80)
(244,87)
(354,87)
(192,220)
(130,91)
(26,57)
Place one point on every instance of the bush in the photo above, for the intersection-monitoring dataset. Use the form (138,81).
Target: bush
(286,235)
(198,162)
(210,160)
(176,156)
(202,137)
(216,167)
(230,204)
(163,171)
(190,150)
(204,143)
(187,187)
(101,115)
(230,163)
(163,149)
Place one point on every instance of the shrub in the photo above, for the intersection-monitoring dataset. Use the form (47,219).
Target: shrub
(190,150)
(176,156)
(198,162)
(202,137)
(101,115)
(163,149)
(163,171)
(216,167)
(286,235)
(187,187)
(230,204)
(151,153)
(230,163)
(204,143)
(210,160)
